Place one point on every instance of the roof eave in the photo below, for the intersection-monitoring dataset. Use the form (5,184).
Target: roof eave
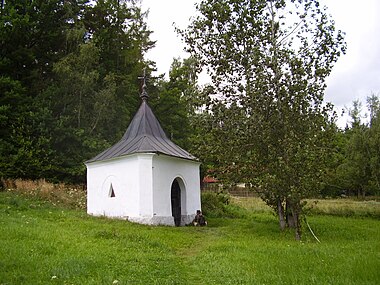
(92,161)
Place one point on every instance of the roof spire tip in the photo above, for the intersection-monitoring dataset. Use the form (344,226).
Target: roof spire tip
(144,94)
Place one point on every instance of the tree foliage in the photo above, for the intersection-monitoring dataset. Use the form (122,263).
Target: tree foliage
(268,61)
(68,82)
(358,171)
(178,101)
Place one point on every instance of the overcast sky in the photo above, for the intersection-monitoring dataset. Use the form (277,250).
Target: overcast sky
(355,76)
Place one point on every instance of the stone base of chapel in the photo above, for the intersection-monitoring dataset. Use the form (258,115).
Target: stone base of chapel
(161,220)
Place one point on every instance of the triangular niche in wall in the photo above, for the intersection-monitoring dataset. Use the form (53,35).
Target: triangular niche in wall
(111,192)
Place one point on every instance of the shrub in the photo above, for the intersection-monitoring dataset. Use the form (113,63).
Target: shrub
(217,205)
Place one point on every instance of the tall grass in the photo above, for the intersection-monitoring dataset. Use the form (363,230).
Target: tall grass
(337,207)
(73,196)
(346,207)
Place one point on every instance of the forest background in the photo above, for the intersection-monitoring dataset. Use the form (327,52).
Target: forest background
(69,87)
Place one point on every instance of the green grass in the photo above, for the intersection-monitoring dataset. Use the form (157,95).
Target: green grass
(44,244)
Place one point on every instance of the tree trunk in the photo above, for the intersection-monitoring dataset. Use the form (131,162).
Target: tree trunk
(79,108)
(289,215)
(297,228)
(296,218)
(281,215)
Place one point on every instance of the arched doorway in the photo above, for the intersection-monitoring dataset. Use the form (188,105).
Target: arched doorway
(176,202)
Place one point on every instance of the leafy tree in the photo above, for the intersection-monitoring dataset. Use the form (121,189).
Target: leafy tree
(268,61)
(373,103)
(183,76)
(333,184)
(174,101)
(354,171)
(359,172)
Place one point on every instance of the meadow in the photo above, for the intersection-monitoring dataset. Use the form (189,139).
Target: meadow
(43,243)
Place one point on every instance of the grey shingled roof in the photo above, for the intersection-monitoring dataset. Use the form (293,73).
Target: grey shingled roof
(144,135)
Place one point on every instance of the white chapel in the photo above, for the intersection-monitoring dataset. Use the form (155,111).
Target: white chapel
(145,177)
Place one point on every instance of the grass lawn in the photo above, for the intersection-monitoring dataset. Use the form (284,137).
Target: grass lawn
(44,244)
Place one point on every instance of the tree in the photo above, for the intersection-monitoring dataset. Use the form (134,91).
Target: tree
(119,31)
(183,76)
(359,172)
(268,61)
(354,171)
(333,184)
(69,74)
(32,38)
(176,103)
(373,103)
(95,89)
(166,97)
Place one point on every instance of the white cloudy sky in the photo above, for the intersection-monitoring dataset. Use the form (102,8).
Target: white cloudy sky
(355,76)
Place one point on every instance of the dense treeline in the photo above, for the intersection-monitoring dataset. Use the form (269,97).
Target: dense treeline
(69,87)
(354,167)
(69,83)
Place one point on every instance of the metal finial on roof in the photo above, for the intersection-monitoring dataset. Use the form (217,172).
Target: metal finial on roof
(144,95)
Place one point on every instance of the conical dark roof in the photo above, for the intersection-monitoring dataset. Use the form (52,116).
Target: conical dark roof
(144,135)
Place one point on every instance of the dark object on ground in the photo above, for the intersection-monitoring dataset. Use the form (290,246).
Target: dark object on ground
(199,220)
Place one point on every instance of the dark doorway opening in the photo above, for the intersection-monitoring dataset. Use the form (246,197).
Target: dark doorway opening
(176,203)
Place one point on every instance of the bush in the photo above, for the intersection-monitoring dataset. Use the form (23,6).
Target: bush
(217,205)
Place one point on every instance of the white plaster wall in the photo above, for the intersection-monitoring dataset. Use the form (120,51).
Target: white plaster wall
(165,170)
(145,186)
(142,186)
(123,174)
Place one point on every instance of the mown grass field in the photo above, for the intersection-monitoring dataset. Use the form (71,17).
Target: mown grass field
(44,244)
